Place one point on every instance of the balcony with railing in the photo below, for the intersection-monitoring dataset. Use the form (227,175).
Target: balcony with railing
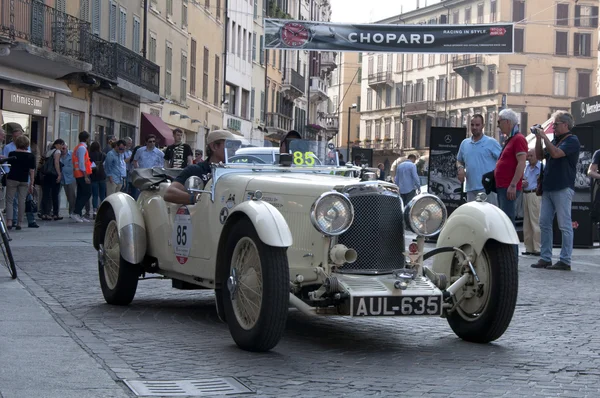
(294,84)
(318,89)
(52,43)
(332,123)
(279,122)
(41,39)
(381,78)
(328,63)
(419,108)
(465,64)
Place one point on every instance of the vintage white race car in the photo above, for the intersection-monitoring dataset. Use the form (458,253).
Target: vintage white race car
(269,237)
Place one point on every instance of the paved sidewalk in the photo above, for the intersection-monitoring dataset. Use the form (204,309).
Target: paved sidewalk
(38,357)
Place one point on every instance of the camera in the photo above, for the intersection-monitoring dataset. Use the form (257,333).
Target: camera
(535,129)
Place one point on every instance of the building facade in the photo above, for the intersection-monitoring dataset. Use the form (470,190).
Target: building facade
(344,95)
(404,95)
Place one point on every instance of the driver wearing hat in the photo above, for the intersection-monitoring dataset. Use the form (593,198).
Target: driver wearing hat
(215,153)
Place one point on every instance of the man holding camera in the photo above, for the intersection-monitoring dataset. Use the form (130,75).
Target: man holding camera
(562,155)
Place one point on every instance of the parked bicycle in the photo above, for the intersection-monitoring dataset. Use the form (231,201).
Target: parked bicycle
(7,257)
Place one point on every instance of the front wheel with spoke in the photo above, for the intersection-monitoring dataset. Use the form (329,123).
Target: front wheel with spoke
(7,256)
(484,313)
(256,296)
(118,278)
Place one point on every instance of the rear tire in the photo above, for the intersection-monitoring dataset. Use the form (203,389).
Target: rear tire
(486,318)
(118,278)
(7,256)
(256,294)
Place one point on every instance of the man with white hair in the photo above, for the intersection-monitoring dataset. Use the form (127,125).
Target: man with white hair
(562,156)
(511,164)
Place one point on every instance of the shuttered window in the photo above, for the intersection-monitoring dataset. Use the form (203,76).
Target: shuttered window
(122,27)
(96,16)
(217,83)
(193,54)
(562,14)
(583,84)
(582,44)
(205,65)
(518,10)
(61,5)
(168,68)
(84,10)
(184,13)
(169,8)
(183,83)
(112,22)
(519,40)
(561,43)
(135,45)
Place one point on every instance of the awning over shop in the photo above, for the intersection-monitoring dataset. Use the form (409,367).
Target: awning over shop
(20,77)
(151,124)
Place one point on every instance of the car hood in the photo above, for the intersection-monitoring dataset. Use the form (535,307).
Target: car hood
(295,183)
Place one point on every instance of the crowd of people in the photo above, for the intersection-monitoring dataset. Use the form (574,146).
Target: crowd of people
(87,174)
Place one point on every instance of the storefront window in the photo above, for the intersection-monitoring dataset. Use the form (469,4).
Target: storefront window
(13,117)
(69,125)
(127,130)
(104,128)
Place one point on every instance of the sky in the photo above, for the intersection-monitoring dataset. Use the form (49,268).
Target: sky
(367,11)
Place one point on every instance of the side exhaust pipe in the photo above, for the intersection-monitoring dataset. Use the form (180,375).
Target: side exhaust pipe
(302,306)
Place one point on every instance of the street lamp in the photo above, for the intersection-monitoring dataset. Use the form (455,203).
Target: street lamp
(348,143)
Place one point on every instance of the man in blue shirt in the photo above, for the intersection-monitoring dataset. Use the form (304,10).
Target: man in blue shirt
(562,156)
(407,178)
(477,155)
(149,156)
(114,167)
(531,206)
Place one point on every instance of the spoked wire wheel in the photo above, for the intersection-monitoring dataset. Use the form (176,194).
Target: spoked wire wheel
(245,283)
(7,257)
(112,255)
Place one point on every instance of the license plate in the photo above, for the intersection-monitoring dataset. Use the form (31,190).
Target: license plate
(397,305)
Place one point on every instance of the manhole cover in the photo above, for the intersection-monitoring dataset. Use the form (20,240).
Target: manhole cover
(186,388)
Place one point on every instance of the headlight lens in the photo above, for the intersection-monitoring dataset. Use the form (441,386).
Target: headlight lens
(425,215)
(332,213)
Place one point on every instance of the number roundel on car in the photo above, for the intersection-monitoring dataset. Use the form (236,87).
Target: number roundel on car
(182,234)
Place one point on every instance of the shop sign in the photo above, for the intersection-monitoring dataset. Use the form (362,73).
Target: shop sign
(234,124)
(25,103)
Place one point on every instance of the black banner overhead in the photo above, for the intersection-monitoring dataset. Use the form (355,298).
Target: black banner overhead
(452,39)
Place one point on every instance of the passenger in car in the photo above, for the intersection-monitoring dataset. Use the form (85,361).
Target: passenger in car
(215,153)
(284,145)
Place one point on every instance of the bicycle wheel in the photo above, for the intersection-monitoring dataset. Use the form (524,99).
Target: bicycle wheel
(8,259)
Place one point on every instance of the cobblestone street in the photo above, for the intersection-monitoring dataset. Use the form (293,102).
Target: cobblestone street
(552,347)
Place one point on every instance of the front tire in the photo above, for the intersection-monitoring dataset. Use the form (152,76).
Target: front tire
(8,256)
(256,296)
(485,317)
(118,278)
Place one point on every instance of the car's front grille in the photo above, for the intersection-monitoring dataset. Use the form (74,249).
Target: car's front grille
(377,234)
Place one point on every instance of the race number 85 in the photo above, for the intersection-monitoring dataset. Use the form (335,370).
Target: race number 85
(181,235)
(304,158)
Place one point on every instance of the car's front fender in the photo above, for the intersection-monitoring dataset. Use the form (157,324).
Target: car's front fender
(473,224)
(270,225)
(130,224)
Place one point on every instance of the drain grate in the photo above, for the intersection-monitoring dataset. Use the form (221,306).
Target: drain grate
(187,388)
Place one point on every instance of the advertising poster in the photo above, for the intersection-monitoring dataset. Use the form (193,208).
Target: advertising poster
(581,207)
(449,39)
(443,174)
(365,155)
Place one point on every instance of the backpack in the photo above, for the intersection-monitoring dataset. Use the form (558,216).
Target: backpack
(48,168)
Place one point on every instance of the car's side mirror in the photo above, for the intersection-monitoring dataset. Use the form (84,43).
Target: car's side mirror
(194,184)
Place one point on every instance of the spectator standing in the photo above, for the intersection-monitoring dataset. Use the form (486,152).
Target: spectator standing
(178,155)
(562,155)
(594,174)
(19,181)
(511,164)
(477,155)
(51,182)
(82,170)
(381,168)
(531,206)
(407,178)
(198,153)
(16,131)
(111,141)
(115,169)
(148,156)
(68,180)
(98,176)
(127,158)
(341,159)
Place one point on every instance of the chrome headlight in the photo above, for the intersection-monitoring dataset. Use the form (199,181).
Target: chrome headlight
(425,215)
(332,213)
